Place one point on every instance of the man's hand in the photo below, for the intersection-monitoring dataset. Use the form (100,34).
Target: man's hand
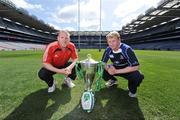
(112,70)
(67,71)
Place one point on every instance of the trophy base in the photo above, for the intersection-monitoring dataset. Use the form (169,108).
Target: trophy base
(88,90)
(87,101)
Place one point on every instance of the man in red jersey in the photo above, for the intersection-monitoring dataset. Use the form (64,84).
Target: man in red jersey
(56,60)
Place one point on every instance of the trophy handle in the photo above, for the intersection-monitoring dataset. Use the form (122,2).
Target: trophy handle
(89,56)
(78,70)
(100,70)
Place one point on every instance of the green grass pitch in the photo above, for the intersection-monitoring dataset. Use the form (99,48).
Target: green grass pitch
(24,97)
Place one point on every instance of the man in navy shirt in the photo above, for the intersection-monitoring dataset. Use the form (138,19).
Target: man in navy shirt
(124,63)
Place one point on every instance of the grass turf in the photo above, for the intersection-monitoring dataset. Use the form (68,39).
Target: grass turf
(24,97)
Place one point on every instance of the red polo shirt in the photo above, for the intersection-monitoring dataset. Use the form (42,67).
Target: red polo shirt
(58,57)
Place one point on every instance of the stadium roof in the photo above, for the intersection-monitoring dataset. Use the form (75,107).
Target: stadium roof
(167,10)
(10,11)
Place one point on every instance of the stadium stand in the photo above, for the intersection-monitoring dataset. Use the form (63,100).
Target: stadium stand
(157,29)
(89,39)
(10,11)
(19,30)
(6,45)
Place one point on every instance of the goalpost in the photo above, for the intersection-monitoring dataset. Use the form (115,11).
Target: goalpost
(79,28)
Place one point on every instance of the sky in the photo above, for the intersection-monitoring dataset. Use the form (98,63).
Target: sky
(63,14)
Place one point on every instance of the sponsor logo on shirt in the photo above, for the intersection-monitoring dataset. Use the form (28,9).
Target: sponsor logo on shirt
(111,56)
(121,57)
(116,62)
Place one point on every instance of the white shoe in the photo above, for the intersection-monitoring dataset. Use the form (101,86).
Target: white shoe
(69,82)
(52,88)
(110,83)
(132,95)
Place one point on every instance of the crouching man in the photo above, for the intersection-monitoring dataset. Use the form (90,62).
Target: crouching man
(56,61)
(124,63)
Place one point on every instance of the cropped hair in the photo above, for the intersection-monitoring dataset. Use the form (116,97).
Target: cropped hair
(113,34)
(64,31)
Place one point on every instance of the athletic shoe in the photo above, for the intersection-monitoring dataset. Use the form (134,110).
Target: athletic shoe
(132,95)
(52,88)
(69,82)
(111,83)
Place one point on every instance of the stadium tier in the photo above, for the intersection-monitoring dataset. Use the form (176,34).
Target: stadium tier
(89,39)
(22,31)
(158,29)
(6,45)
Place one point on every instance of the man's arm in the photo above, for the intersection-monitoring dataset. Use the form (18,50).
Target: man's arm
(127,69)
(132,62)
(112,70)
(71,66)
(74,58)
(54,69)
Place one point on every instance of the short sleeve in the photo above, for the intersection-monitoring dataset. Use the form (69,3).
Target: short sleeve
(105,56)
(74,52)
(47,57)
(132,59)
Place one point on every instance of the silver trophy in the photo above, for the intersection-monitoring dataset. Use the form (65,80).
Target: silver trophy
(88,69)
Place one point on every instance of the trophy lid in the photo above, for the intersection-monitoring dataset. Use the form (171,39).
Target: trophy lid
(89,60)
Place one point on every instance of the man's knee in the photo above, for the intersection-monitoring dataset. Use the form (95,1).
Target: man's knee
(136,78)
(140,79)
(41,74)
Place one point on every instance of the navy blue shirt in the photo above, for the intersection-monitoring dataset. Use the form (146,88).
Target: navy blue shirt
(121,59)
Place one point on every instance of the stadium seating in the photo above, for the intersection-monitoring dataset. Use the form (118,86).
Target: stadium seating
(164,37)
(160,31)
(6,45)
(89,40)
(14,36)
